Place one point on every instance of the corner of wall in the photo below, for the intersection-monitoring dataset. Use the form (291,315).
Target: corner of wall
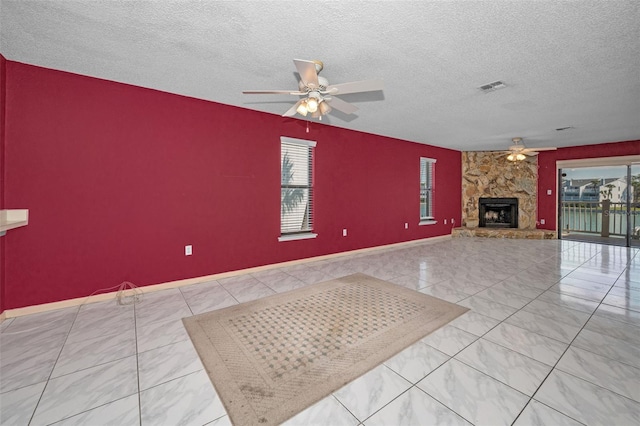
(3,92)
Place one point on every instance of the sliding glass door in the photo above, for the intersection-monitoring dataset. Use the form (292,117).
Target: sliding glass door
(600,204)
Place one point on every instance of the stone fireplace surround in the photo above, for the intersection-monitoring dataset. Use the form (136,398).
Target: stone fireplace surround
(490,175)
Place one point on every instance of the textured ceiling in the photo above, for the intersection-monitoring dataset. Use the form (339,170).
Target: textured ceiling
(565,63)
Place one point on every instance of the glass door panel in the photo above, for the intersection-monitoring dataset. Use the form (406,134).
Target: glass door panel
(634,206)
(593,204)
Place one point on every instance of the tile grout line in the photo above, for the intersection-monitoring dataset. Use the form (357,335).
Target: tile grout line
(54,366)
(135,330)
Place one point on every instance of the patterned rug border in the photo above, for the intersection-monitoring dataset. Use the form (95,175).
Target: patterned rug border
(224,356)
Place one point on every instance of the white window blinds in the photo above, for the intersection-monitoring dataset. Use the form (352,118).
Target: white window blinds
(296,184)
(426,187)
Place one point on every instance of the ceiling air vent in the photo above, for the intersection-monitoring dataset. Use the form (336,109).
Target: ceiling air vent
(492,86)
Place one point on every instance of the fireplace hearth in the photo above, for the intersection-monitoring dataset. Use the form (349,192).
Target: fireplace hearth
(498,212)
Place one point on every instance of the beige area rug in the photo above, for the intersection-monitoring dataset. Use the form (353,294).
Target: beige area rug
(271,358)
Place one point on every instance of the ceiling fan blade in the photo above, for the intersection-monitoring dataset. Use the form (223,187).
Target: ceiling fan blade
(272,92)
(530,153)
(307,71)
(292,111)
(541,149)
(355,87)
(341,105)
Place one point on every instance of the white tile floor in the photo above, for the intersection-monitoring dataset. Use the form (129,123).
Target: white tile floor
(552,338)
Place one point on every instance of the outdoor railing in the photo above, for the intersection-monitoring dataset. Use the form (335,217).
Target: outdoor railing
(587,217)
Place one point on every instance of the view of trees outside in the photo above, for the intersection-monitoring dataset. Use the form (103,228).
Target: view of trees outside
(291,197)
(635,183)
(592,184)
(295,188)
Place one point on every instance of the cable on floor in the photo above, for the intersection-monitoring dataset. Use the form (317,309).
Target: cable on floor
(127,293)
(134,296)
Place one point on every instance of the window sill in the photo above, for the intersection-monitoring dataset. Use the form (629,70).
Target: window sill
(427,222)
(293,237)
(11,219)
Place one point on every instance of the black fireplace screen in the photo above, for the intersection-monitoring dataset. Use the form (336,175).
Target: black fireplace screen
(498,212)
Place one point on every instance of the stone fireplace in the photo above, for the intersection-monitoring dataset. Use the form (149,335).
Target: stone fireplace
(490,175)
(498,212)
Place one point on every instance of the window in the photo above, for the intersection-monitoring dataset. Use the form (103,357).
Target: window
(426,191)
(296,189)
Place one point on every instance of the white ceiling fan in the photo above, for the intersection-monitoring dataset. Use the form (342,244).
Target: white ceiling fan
(318,96)
(518,152)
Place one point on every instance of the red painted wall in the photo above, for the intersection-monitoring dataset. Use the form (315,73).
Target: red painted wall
(547,172)
(118,179)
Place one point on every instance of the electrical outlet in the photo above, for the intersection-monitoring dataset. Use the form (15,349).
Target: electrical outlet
(188,250)
(549,192)
(344,232)
(542,221)
(406,225)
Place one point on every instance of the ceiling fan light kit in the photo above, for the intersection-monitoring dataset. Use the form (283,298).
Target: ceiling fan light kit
(324,108)
(302,108)
(318,96)
(516,157)
(518,152)
(312,102)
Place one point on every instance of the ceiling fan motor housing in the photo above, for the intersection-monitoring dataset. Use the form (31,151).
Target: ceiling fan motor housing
(319,65)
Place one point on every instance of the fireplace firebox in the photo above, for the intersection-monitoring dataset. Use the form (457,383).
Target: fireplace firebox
(498,212)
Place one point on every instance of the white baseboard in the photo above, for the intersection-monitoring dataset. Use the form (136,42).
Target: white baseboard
(11,313)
